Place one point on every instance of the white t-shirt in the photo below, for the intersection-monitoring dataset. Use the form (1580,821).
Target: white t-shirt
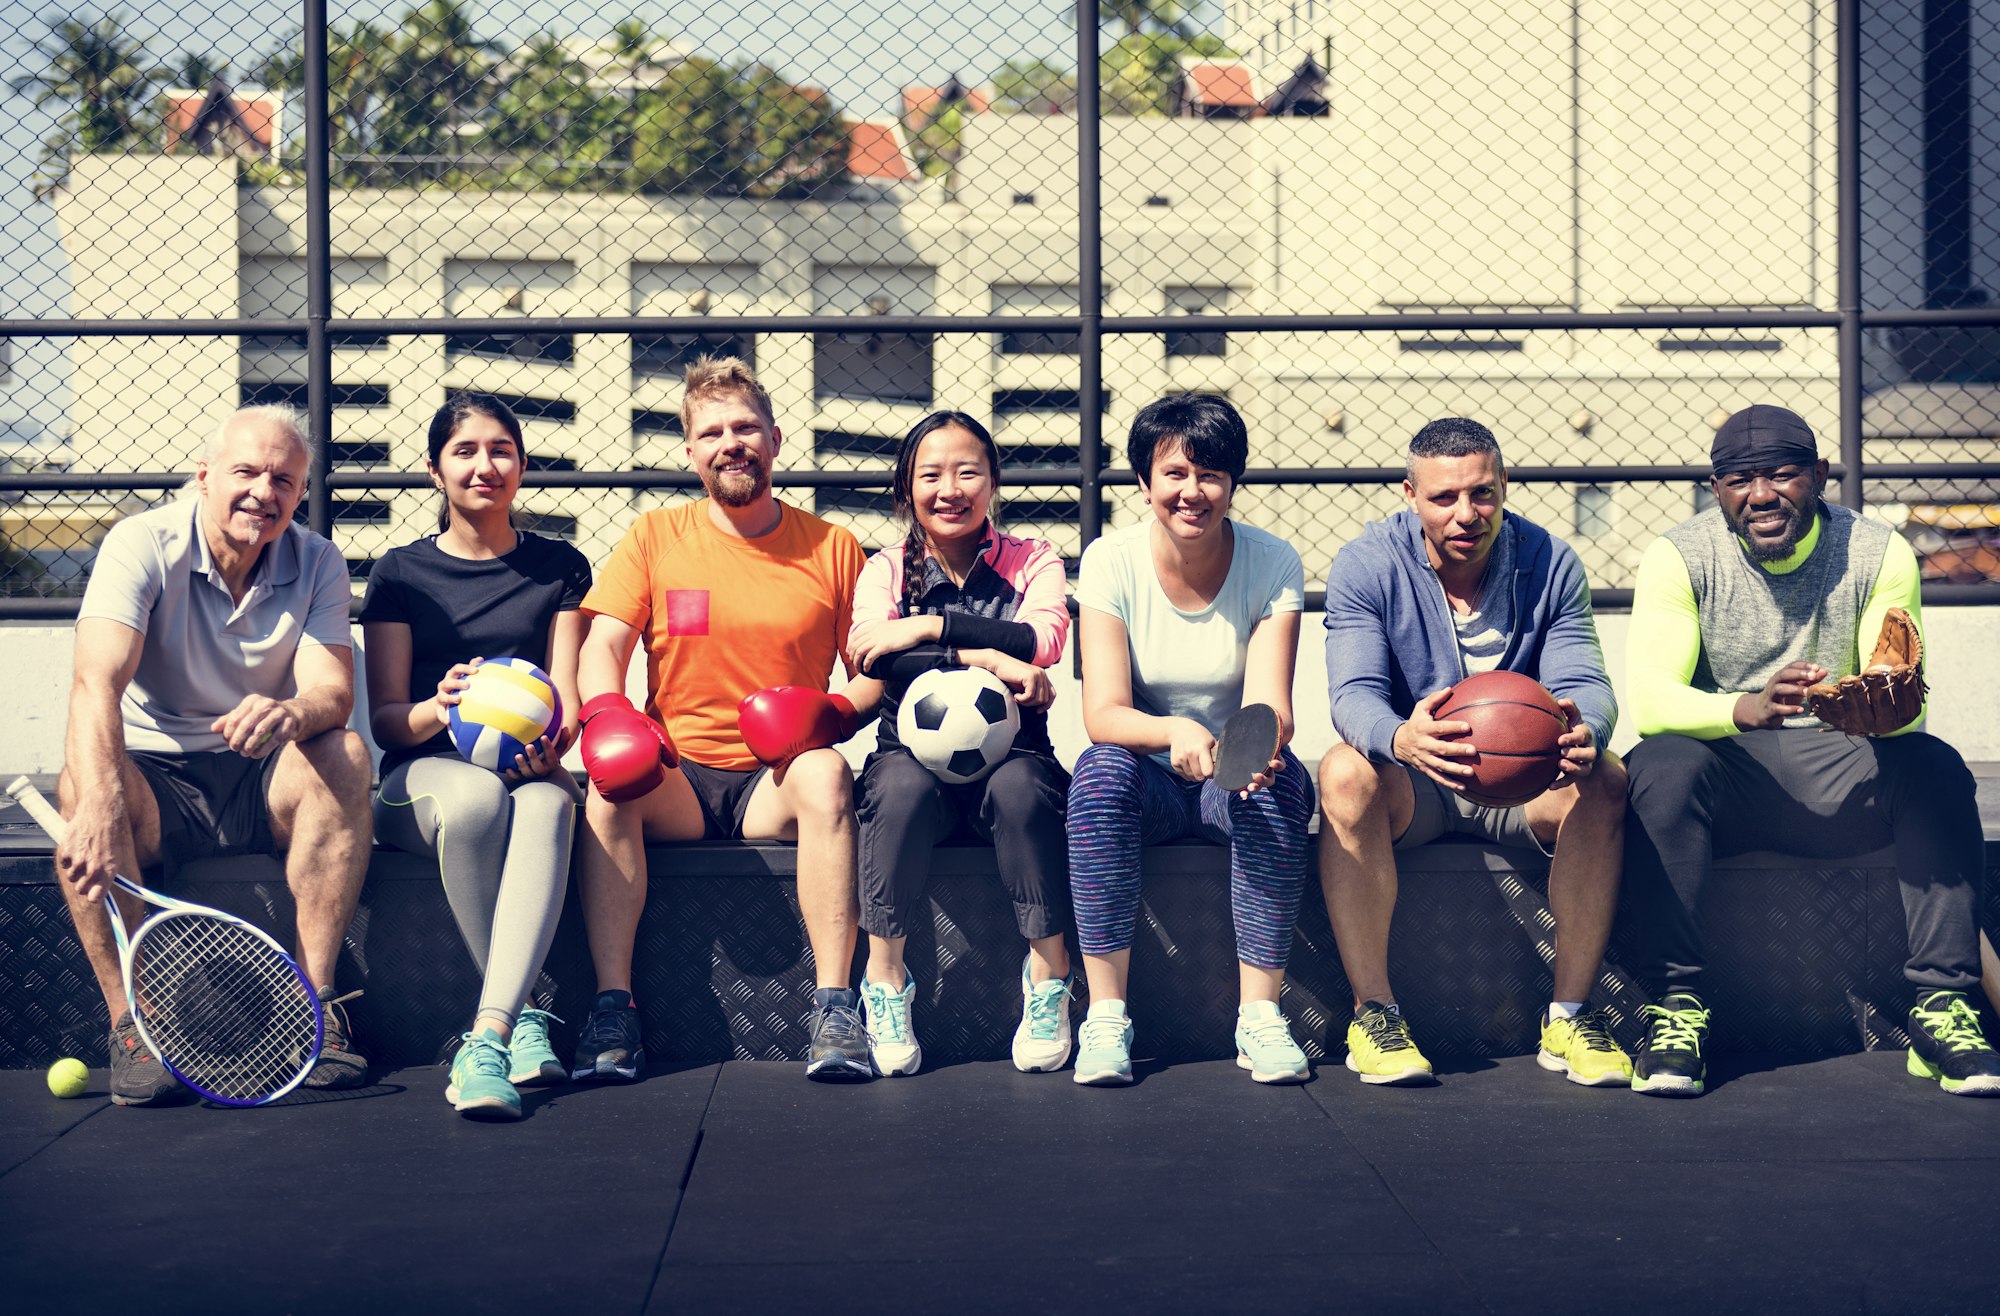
(1190,664)
(1481,646)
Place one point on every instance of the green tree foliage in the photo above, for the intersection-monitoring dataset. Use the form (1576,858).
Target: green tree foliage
(432,84)
(428,99)
(1034,86)
(729,131)
(1166,17)
(1135,76)
(105,78)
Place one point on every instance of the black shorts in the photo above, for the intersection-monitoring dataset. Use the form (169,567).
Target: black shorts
(211,804)
(723,796)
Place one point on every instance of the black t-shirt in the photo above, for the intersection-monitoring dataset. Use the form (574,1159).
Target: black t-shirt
(458,609)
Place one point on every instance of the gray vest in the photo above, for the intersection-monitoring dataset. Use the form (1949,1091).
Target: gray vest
(1754,621)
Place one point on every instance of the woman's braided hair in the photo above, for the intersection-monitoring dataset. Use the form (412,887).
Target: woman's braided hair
(902,493)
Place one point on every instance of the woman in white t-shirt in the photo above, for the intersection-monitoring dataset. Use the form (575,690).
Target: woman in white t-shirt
(1185,618)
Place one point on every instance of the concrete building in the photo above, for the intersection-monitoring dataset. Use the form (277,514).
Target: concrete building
(1477,155)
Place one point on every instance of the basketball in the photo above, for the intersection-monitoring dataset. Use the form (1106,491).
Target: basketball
(958,722)
(509,704)
(1515,724)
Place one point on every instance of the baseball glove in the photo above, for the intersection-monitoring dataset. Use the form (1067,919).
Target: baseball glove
(1888,693)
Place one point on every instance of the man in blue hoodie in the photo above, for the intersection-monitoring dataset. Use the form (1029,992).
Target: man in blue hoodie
(1452,587)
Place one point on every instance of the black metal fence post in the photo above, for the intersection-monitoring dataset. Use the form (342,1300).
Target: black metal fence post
(1847,113)
(1089,279)
(319,270)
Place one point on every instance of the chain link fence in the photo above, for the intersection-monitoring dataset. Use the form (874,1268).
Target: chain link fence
(1597,226)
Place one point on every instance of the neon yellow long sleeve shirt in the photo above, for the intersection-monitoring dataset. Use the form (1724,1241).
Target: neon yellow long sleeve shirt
(1665,641)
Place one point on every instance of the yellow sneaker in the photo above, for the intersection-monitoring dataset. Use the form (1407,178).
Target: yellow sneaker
(1581,1047)
(1380,1049)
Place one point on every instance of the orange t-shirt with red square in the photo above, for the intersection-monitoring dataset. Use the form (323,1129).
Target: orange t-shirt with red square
(722,617)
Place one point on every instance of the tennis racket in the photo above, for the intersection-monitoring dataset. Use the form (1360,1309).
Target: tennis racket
(222,1005)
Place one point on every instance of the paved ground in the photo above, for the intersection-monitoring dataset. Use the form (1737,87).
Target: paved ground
(1831,1186)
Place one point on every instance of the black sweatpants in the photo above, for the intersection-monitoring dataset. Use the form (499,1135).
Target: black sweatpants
(1816,794)
(904,811)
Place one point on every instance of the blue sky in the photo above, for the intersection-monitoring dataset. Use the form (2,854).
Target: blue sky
(864,54)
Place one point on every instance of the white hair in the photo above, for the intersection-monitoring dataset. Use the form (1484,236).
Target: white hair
(289,419)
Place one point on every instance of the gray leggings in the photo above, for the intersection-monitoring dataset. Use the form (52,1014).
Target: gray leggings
(503,850)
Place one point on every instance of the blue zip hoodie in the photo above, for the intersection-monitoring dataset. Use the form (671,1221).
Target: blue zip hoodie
(1390,639)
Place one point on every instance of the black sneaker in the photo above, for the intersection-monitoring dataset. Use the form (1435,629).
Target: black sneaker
(838,1051)
(339,1064)
(137,1076)
(1669,1063)
(1945,1044)
(609,1047)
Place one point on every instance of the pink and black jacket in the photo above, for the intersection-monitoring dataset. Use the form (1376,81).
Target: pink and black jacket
(1013,600)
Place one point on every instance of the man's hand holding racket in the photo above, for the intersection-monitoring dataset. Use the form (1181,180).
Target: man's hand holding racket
(87,852)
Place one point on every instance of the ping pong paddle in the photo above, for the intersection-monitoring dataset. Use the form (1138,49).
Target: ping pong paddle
(1248,743)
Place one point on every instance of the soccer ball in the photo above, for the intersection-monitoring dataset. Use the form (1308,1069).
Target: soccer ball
(959,722)
(509,704)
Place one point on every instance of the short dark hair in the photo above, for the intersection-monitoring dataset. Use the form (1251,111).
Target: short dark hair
(1453,436)
(1205,426)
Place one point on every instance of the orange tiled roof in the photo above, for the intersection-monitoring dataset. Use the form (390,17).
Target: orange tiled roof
(920,102)
(257,111)
(874,152)
(1222,85)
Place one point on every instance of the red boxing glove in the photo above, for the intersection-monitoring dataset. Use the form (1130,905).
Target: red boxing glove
(785,721)
(625,752)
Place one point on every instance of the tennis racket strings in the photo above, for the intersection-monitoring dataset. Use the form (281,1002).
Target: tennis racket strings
(225,1009)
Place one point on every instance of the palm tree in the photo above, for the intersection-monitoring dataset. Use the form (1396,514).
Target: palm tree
(546,107)
(198,71)
(433,84)
(354,58)
(1166,17)
(103,74)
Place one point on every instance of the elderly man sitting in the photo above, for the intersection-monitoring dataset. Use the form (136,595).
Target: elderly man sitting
(208,716)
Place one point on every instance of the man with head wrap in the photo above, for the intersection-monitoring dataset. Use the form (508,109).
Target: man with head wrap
(1737,611)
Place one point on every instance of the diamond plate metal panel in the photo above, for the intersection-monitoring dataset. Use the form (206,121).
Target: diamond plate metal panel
(724,970)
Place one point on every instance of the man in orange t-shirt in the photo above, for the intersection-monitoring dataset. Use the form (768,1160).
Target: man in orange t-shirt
(742,602)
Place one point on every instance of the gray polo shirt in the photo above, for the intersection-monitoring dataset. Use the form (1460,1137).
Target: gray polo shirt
(203,650)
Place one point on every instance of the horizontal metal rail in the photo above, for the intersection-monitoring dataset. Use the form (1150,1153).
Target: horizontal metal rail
(1018,476)
(1375,322)
(1935,594)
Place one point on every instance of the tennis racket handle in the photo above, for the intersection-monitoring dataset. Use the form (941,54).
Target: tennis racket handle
(46,817)
(38,807)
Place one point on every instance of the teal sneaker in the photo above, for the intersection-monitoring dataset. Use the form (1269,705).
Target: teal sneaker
(479,1088)
(1264,1045)
(892,1032)
(1104,1046)
(533,1060)
(1042,1039)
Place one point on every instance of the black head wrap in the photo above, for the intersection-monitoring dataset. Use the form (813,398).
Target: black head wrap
(1761,438)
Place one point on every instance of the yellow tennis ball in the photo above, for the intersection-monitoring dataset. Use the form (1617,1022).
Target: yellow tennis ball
(68,1078)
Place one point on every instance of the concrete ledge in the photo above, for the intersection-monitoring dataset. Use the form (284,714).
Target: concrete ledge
(1807,959)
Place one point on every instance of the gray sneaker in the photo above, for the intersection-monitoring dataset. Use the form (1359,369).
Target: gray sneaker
(339,1064)
(137,1076)
(838,1052)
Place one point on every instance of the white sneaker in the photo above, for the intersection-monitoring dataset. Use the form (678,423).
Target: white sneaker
(1042,1042)
(892,1037)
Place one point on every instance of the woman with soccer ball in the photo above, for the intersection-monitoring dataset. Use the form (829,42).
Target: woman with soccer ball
(958,594)
(1185,618)
(479,590)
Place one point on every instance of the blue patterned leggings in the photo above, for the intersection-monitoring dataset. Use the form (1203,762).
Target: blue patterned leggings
(1120,802)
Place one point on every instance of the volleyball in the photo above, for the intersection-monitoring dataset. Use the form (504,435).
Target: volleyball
(509,704)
